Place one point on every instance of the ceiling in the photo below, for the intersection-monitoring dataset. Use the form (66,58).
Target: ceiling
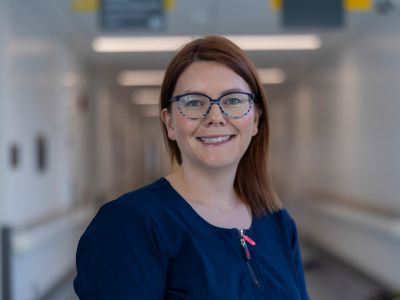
(233,17)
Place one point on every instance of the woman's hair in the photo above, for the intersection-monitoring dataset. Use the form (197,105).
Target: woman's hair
(253,181)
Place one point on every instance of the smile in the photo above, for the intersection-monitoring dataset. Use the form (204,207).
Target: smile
(215,140)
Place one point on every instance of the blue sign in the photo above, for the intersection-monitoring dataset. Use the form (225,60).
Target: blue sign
(116,15)
(312,13)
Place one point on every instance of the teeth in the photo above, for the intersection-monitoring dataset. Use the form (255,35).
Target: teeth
(215,140)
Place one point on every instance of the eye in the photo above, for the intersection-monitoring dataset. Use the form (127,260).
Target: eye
(233,101)
(194,103)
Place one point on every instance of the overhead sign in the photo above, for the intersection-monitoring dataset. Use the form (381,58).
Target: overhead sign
(132,14)
(351,5)
(312,13)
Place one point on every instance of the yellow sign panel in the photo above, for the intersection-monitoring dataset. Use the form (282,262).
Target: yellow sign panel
(85,5)
(351,5)
(276,4)
(169,5)
(358,4)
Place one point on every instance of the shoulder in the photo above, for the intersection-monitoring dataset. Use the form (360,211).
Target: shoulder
(143,198)
(289,226)
(285,216)
(121,239)
(131,217)
(136,211)
(281,217)
(280,224)
(139,203)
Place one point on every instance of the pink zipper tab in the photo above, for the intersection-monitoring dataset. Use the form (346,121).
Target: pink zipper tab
(249,240)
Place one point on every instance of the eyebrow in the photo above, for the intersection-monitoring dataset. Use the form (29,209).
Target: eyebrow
(233,90)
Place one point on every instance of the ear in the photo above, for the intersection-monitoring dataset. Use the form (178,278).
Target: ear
(166,117)
(257,115)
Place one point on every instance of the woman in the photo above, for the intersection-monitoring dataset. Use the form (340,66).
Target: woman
(214,228)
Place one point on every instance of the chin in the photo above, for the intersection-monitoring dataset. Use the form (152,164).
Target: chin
(220,163)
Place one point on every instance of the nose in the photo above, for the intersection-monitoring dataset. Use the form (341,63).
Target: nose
(215,115)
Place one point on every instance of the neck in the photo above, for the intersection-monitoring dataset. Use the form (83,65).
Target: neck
(209,189)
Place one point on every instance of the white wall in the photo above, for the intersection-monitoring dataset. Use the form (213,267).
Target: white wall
(3,31)
(338,130)
(35,105)
(39,96)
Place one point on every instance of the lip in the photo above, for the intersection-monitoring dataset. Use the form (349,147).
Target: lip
(213,136)
(230,137)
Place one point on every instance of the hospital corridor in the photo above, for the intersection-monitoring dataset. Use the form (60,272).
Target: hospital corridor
(80,83)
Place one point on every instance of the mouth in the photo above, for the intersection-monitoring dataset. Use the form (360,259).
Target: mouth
(215,140)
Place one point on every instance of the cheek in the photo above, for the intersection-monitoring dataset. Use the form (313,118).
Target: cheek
(184,128)
(247,125)
(176,126)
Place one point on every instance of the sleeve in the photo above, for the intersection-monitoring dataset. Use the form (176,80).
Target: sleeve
(296,255)
(120,257)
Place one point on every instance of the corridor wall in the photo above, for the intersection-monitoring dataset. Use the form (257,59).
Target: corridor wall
(336,145)
(43,126)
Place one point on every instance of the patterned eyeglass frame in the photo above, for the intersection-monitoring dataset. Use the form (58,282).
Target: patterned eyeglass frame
(212,102)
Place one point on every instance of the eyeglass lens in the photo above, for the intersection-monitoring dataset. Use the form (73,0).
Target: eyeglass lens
(196,106)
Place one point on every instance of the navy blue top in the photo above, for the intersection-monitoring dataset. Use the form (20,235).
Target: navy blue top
(151,244)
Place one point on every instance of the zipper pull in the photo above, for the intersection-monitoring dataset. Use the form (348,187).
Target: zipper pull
(249,240)
(245,249)
(243,239)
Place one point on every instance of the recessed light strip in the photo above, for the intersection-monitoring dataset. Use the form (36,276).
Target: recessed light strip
(155,77)
(277,42)
(141,78)
(146,96)
(271,76)
(172,43)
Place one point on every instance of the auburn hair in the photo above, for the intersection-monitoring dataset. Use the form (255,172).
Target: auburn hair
(252,182)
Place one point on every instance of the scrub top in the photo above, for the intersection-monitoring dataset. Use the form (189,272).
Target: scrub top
(151,244)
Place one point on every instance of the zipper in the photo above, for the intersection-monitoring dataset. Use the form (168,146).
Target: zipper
(243,239)
(253,275)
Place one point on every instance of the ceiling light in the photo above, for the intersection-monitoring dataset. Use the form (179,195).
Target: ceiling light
(155,78)
(141,78)
(140,44)
(172,43)
(146,96)
(271,76)
(277,42)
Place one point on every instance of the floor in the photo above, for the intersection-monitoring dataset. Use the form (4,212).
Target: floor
(327,279)
(330,279)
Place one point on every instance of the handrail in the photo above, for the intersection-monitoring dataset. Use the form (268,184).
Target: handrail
(24,239)
(356,212)
(19,240)
(375,221)
(356,203)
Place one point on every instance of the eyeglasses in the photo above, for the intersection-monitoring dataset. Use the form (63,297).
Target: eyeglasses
(195,105)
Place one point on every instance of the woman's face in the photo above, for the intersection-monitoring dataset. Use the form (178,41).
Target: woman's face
(214,141)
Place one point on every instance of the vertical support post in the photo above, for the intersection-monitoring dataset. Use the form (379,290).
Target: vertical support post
(6,262)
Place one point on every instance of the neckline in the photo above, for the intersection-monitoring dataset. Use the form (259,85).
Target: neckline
(198,219)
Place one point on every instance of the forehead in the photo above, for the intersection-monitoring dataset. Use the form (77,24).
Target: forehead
(209,77)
